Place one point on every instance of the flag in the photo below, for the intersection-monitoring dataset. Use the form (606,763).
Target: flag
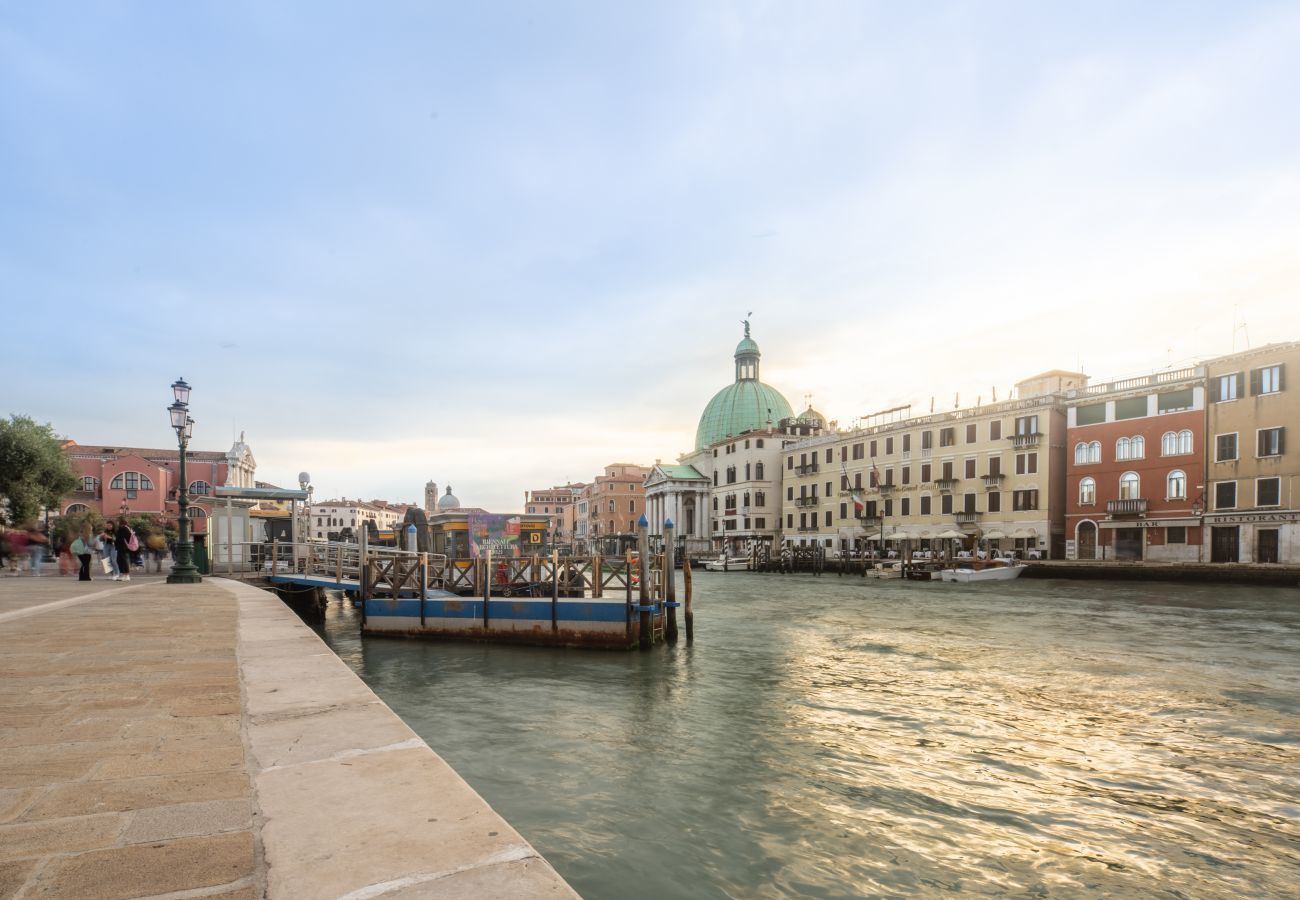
(859,505)
(875,473)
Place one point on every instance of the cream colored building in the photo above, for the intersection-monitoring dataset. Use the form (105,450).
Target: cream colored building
(1252,493)
(993,473)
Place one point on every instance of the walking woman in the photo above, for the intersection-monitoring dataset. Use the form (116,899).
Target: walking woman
(81,549)
(108,551)
(123,537)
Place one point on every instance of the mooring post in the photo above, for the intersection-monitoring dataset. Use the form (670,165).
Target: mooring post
(643,569)
(555,590)
(689,616)
(670,583)
(597,578)
(424,581)
(487,586)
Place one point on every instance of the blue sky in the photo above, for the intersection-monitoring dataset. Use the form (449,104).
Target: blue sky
(500,245)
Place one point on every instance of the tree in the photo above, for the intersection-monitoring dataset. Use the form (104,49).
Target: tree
(34,471)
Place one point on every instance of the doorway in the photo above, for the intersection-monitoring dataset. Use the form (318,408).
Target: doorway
(1128,544)
(1224,544)
(1266,545)
(1087,541)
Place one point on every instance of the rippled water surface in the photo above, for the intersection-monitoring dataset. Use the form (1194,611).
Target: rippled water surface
(841,737)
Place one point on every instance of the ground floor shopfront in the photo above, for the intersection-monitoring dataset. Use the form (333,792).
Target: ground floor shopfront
(1175,539)
(1262,537)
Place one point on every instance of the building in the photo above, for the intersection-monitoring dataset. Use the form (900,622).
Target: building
(614,502)
(1252,485)
(558,503)
(993,473)
(335,520)
(137,480)
(726,491)
(1135,468)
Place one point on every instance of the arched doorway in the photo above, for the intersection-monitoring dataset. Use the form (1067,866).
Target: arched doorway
(1086,540)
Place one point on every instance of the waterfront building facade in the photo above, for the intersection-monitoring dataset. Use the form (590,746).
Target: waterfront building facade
(557,503)
(1252,493)
(613,503)
(992,474)
(333,520)
(137,480)
(1135,468)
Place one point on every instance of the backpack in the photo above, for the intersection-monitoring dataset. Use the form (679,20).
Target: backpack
(132,542)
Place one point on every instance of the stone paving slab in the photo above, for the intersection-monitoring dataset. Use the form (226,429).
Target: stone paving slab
(181,741)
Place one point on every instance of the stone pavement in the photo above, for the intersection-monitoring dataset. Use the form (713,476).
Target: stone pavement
(199,741)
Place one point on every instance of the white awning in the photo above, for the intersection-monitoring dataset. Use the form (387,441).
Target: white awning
(993,535)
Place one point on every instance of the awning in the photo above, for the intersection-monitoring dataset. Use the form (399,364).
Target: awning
(1024,533)
(256,493)
(950,534)
(898,536)
(993,535)
(874,536)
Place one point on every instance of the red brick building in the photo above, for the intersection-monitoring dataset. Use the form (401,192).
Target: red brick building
(1135,470)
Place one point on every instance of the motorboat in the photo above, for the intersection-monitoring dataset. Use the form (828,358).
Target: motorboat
(726,563)
(991,572)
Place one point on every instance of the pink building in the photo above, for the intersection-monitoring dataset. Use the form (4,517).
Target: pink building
(115,480)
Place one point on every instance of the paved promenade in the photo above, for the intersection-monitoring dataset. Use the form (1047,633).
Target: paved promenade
(200,741)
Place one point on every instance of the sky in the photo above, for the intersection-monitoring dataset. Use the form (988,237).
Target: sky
(500,245)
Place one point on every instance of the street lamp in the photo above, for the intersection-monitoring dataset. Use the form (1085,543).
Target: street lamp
(184,572)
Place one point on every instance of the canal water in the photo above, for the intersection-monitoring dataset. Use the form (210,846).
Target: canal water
(841,737)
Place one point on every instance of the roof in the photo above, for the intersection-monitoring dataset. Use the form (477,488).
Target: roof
(99,451)
(743,406)
(682,472)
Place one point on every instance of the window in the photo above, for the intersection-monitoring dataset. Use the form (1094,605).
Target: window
(200,488)
(905,506)
(1176,485)
(1087,492)
(945,504)
(1027,425)
(970,433)
(1138,447)
(789,521)
(927,440)
(828,518)
(907,474)
(731,474)
(1131,448)
(76,509)
(1267,380)
(1024,500)
(994,501)
(1168,444)
(1094,452)
(760,498)
(1185,441)
(90,484)
(872,451)
(995,430)
(829,455)
(925,472)
(1173,401)
(759,444)
(857,451)
(789,461)
(889,508)
(1270,442)
(970,468)
(1026,463)
(1176,534)
(907,443)
(1268,492)
(889,446)
(947,437)
(968,503)
(1225,447)
(131,481)
(1225,495)
(1091,414)
(1080,453)
(631,506)
(1130,486)
(747,471)
(925,504)
(760,523)
(196,512)
(1227,387)
(611,506)
(844,510)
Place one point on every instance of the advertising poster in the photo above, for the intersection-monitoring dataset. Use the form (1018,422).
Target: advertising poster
(495,532)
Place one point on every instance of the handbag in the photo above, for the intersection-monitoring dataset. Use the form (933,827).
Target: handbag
(106,565)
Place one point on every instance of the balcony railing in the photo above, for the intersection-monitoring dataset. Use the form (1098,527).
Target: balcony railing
(1119,508)
(886,488)
(807,527)
(947,485)
(993,482)
(966,518)
(807,469)
(1026,441)
(871,521)
(805,501)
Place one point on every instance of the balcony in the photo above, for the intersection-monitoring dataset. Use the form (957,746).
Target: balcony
(1026,441)
(871,521)
(993,482)
(887,488)
(806,528)
(966,518)
(946,485)
(1118,509)
(805,501)
(808,469)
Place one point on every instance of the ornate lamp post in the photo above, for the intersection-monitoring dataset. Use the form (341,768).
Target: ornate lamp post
(184,572)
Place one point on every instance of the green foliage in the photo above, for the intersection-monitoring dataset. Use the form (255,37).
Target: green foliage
(34,471)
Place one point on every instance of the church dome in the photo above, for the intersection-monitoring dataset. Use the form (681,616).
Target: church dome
(448,501)
(743,406)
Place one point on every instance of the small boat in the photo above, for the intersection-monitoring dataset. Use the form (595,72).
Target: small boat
(993,572)
(726,563)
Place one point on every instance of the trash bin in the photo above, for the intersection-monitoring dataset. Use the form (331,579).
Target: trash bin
(201,558)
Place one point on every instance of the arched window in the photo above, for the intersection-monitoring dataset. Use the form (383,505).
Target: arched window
(1094,452)
(196,512)
(1176,485)
(1138,447)
(131,481)
(90,484)
(1123,448)
(200,489)
(1087,492)
(76,509)
(1168,444)
(1080,453)
(1130,486)
(746,501)
(758,468)
(1185,441)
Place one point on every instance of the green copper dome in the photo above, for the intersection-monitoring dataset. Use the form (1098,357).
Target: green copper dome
(743,406)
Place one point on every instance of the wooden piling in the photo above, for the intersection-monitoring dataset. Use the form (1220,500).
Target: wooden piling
(670,583)
(487,586)
(689,615)
(597,577)
(643,571)
(555,591)
(424,581)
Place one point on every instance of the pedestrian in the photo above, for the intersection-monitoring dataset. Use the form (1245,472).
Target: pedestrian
(157,544)
(64,554)
(108,551)
(126,542)
(36,543)
(81,549)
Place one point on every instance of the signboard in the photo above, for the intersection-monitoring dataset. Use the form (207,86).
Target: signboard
(1070,551)
(491,531)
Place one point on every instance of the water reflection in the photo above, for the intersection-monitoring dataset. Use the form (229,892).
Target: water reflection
(834,737)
